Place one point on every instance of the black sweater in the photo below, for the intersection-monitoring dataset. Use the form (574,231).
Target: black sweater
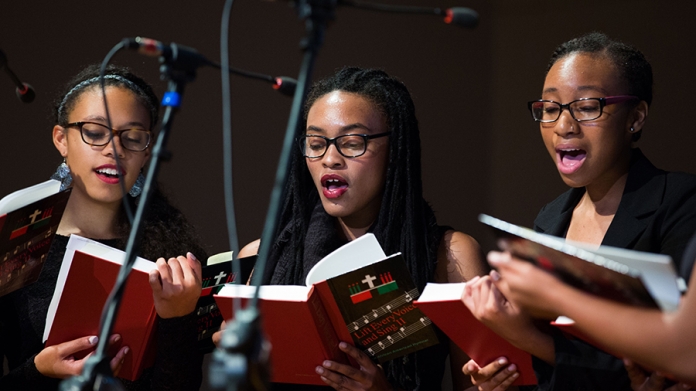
(23,318)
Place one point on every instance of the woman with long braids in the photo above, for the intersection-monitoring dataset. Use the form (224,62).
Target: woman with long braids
(358,170)
(95,210)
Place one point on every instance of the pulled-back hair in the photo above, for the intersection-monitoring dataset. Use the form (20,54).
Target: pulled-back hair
(116,76)
(166,232)
(631,64)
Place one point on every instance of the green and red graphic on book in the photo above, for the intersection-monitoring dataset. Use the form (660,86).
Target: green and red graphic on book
(358,295)
(25,238)
(376,301)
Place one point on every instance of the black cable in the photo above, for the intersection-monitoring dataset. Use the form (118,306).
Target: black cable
(227,141)
(102,73)
(226,59)
(404,9)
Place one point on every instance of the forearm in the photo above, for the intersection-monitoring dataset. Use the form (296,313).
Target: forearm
(660,341)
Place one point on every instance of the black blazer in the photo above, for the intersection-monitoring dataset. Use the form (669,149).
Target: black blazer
(657,213)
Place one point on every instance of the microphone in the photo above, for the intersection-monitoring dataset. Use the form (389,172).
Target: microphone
(24,91)
(462,16)
(285,85)
(175,52)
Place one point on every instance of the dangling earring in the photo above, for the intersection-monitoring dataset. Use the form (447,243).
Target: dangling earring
(62,174)
(137,186)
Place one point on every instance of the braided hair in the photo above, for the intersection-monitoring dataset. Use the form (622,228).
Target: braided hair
(407,225)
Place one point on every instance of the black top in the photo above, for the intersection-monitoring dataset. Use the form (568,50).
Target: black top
(424,369)
(23,319)
(657,214)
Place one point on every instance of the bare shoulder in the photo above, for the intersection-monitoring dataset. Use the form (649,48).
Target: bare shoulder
(250,249)
(459,258)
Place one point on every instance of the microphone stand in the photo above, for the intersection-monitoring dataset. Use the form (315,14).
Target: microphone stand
(179,68)
(240,361)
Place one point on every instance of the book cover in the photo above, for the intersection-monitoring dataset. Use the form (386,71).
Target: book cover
(376,304)
(297,326)
(593,271)
(86,278)
(216,273)
(443,304)
(376,315)
(27,228)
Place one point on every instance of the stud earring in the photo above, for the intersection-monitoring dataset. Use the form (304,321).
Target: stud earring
(62,174)
(137,186)
(632,130)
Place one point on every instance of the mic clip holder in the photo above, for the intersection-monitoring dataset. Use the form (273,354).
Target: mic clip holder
(241,362)
(179,64)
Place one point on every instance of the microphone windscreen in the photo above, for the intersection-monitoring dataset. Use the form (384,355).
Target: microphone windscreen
(285,85)
(462,16)
(26,94)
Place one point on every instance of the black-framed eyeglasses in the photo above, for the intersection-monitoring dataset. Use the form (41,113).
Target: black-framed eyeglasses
(585,109)
(98,135)
(348,145)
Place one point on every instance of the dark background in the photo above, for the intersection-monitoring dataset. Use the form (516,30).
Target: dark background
(481,150)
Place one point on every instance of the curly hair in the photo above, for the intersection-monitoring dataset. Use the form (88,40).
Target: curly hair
(166,231)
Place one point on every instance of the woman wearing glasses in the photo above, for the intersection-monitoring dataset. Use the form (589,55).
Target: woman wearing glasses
(358,170)
(94,210)
(593,108)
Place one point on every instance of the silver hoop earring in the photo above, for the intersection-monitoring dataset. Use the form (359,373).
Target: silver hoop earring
(62,174)
(137,186)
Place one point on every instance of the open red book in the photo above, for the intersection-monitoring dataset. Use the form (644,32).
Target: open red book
(86,277)
(355,295)
(443,304)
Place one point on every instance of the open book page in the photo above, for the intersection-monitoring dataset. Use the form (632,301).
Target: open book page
(267,292)
(656,270)
(28,195)
(628,276)
(360,252)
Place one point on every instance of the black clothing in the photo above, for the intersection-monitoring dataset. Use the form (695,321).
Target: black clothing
(657,214)
(23,319)
(423,369)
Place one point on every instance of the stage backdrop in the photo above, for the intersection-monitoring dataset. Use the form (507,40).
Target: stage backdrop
(481,150)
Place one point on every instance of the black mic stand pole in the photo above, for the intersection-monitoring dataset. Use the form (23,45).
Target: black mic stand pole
(96,373)
(238,362)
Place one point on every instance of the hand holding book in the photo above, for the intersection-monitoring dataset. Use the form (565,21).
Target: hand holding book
(58,361)
(368,376)
(528,286)
(497,375)
(176,285)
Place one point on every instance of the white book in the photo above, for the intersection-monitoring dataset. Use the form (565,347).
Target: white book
(630,276)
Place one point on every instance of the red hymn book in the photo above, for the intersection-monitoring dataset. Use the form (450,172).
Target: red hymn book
(86,277)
